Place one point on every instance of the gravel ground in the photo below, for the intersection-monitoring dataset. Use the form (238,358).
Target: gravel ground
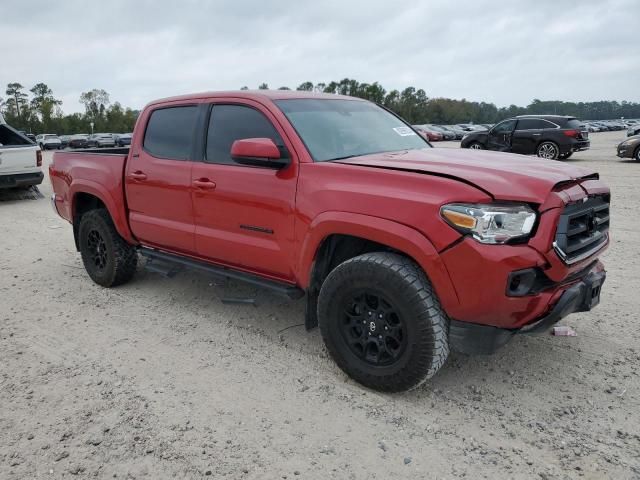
(160,379)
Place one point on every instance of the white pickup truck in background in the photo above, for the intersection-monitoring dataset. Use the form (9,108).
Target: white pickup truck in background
(20,159)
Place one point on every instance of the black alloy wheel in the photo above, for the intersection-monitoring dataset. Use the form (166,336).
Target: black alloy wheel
(373,328)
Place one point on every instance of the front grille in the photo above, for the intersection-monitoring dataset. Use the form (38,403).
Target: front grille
(582,229)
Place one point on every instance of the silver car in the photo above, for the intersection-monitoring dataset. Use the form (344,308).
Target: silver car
(101,140)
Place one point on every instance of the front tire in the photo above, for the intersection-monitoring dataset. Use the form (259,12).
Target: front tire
(564,156)
(548,150)
(382,322)
(476,146)
(107,257)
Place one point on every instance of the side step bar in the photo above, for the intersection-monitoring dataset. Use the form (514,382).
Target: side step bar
(168,265)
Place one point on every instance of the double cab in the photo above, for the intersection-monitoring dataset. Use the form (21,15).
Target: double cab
(400,250)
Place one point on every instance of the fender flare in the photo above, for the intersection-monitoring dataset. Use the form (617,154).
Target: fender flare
(386,232)
(116,211)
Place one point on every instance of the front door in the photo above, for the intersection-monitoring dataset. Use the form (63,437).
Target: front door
(499,137)
(158,179)
(244,216)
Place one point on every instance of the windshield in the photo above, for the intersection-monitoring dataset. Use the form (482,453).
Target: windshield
(336,129)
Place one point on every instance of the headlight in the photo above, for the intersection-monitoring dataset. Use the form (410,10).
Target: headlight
(491,223)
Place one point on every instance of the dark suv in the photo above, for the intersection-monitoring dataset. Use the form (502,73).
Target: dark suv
(548,136)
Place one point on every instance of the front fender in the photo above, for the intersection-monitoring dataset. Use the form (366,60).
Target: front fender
(115,206)
(386,232)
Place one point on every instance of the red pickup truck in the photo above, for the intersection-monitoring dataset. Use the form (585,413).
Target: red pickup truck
(403,251)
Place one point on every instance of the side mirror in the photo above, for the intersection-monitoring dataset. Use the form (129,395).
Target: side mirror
(258,152)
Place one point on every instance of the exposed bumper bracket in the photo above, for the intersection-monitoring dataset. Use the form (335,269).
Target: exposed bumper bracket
(476,339)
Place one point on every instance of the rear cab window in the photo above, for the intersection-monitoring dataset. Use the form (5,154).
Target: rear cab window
(170,132)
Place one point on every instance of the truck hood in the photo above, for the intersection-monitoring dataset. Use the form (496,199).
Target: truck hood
(504,176)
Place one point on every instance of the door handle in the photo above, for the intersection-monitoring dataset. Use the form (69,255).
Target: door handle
(204,184)
(138,175)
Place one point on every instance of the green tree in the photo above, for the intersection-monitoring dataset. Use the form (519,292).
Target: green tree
(44,103)
(16,104)
(95,103)
(263,86)
(305,87)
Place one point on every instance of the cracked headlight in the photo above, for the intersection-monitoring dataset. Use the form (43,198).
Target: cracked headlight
(490,223)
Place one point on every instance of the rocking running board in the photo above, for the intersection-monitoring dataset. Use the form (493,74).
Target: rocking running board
(168,265)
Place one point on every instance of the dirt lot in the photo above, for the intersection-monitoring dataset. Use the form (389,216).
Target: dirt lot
(160,379)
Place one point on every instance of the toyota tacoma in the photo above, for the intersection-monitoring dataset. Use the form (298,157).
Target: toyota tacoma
(402,251)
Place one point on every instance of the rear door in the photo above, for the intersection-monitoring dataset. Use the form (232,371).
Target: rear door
(499,137)
(158,178)
(17,153)
(244,215)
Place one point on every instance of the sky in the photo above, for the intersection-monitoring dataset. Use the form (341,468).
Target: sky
(504,52)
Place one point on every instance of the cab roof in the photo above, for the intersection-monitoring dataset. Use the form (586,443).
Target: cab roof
(257,95)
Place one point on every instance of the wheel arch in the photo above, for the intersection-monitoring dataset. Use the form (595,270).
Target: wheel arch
(334,237)
(86,197)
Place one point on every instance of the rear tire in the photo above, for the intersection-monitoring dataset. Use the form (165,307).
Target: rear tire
(382,322)
(637,154)
(107,257)
(548,150)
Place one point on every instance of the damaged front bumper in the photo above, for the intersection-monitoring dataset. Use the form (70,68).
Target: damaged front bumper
(477,339)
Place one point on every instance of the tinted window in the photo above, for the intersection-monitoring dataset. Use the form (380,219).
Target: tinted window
(504,127)
(229,123)
(574,123)
(548,124)
(529,124)
(169,132)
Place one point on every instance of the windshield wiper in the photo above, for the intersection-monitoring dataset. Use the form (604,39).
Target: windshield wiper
(341,158)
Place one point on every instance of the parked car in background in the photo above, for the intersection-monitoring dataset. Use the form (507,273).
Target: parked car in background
(123,139)
(64,140)
(633,130)
(49,141)
(78,141)
(101,140)
(428,133)
(471,127)
(549,136)
(630,148)
(459,133)
(20,159)
(446,134)
(30,136)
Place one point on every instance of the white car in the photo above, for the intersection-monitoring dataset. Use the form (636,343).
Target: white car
(49,141)
(20,159)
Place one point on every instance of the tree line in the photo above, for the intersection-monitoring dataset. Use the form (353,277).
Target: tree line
(416,107)
(37,110)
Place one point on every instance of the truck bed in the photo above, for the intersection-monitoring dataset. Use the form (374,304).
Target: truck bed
(95,171)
